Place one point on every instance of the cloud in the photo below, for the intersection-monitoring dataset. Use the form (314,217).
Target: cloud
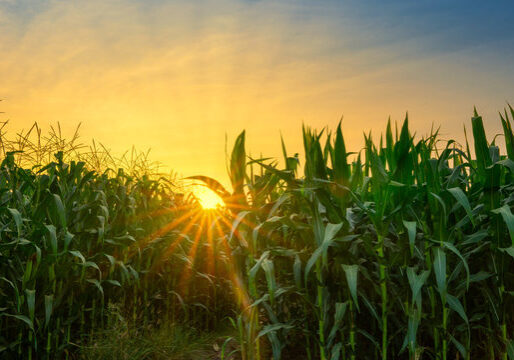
(177,75)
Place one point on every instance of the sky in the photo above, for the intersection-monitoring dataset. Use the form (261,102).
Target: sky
(184,77)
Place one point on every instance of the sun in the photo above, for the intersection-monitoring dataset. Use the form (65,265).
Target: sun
(207,198)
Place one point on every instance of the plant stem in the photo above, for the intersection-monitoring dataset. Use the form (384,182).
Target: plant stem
(321,321)
(445,320)
(383,292)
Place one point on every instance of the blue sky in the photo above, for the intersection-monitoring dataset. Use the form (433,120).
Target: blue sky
(176,76)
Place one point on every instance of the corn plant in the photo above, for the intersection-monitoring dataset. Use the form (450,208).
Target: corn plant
(400,250)
(74,240)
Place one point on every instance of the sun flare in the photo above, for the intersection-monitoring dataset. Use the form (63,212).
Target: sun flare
(207,198)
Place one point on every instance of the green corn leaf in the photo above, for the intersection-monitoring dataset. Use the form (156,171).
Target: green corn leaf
(235,224)
(453,249)
(312,260)
(481,146)
(113,282)
(440,270)
(330,231)
(95,266)
(284,151)
(61,211)
(377,168)
(133,271)
(97,284)
(416,282)
(78,255)
(16,292)
(481,275)
(329,236)
(101,228)
(492,303)
(456,306)
(336,351)
(338,320)
(412,329)
(475,238)
(269,270)
(509,251)
(351,272)
(508,217)
(17,220)
(509,136)
(401,153)
(23,318)
(111,259)
(31,303)
(238,167)
(68,237)
(276,345)
(273,328)
(27,274)
(510,349)
(252,274)
(411,231)
(468,151)
(370,337)
(49,301)
(441,202)
(38,256)
(52,238)
(461,198)
(262,299)
(507,163)
(390,146)
(459,346)
(339,158)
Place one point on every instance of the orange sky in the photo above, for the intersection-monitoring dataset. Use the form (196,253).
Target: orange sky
(178,76)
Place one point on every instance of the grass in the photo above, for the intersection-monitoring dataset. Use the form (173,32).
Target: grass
(168,341)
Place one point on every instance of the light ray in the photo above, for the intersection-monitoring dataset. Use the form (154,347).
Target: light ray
(210,243)
(242,297)
(165,254)
(186,274)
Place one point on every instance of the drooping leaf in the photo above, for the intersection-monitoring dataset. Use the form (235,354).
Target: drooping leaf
(52,238)
(49,302)
(61,211)
(459,195)
(351,272)
(440,270)
(17,220)
(416,282)
(508,217)
(23,318)
(31,303)
(411,231)
(252,274)
(330,232)
(453,249)
(456,306)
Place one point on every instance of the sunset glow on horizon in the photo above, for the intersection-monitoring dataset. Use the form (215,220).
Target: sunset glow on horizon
(181,77)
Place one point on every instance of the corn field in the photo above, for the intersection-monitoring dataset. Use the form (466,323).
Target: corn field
(402,250)
(76,240)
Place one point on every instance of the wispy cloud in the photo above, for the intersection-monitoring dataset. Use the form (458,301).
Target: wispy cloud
(177,75)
